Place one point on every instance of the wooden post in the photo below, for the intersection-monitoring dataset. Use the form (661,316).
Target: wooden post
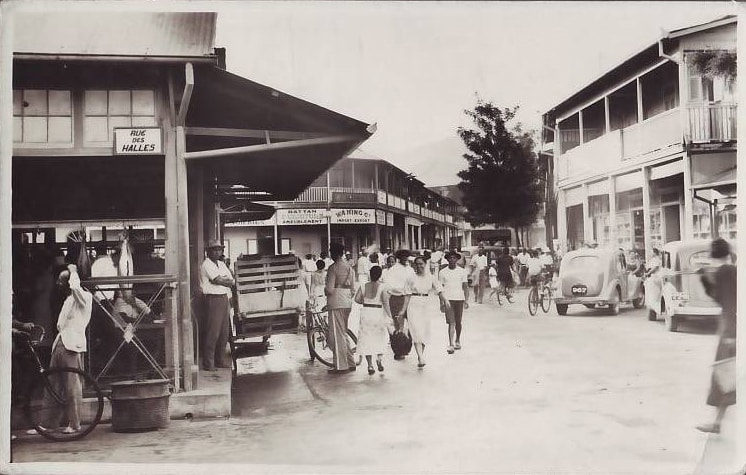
(647,240)
(612,212)
(183,261)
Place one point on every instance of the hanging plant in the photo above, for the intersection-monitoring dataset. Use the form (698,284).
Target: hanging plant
(721,63)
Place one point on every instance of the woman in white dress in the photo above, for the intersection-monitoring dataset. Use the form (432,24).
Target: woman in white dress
(374,315)
(423,307)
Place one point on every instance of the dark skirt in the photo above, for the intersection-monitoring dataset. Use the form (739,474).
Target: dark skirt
(716,397)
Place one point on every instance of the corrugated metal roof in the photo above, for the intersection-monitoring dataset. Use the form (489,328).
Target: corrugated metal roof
(176,34)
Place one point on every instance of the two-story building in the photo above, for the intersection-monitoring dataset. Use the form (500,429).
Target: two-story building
(646,153)
(360,201)
(129,124)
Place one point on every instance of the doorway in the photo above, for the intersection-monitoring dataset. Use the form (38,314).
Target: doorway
(672,222)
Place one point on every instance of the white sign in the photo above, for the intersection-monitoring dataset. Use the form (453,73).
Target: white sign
(353,216)
(390,219)
(301,217)
(380,216)
(381,197)
(138,141)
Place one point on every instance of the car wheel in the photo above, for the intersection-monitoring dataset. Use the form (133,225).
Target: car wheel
(640,301)
(671,322)
(614,306)
(652,316)
(562,309)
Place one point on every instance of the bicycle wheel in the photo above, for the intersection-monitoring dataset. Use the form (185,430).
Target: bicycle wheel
(318,345)
(49,411)
(546,299)
(533,301)
(508,295)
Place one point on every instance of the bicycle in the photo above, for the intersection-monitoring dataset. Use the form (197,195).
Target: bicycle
(541,294)
(317,336)
(46,396)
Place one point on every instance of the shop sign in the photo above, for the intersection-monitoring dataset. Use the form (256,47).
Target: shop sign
(381,197)
(353,197)
(390,219)
(301,216)
(414,208)
(353,216)
(138,141)
(380,216)
(412,221)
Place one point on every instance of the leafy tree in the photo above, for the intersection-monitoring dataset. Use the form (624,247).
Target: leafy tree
(501,186)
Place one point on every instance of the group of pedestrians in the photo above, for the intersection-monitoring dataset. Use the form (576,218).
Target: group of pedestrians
(404,297)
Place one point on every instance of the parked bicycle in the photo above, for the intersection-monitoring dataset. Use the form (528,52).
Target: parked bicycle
(317,336)
(46,405)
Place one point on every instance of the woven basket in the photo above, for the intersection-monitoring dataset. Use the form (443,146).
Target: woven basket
(139,405)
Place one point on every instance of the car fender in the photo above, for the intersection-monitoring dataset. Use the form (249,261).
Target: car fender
(610,289)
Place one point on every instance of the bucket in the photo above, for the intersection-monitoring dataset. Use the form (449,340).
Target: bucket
(139,405)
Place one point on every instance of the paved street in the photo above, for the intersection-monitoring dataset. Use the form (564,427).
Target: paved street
(581,393)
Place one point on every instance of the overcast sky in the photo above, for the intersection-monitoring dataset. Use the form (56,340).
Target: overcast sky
(413,67)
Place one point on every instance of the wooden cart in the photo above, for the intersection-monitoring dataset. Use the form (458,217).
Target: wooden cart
(267,300)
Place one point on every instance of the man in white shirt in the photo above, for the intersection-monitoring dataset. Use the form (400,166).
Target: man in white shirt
(534,268)
(547,261)
(455,282)
(478,265)
(363,268)
(522,259)
(68,349)
(216,281)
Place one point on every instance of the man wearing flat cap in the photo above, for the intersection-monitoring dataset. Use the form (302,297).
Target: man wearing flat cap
(216,281)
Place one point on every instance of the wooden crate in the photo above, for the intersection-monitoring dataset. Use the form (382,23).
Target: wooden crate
(268,283)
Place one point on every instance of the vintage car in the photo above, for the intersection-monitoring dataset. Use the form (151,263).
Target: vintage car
(682,295)
(594,277)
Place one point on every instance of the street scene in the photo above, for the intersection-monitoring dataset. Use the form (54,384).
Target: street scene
(520,396)
(370,237)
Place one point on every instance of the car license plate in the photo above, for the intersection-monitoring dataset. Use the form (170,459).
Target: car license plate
(579,289)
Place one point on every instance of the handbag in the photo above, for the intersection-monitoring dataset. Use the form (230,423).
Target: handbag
(724,374)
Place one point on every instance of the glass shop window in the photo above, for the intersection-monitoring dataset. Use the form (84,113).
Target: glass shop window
(42,117)
(105,110)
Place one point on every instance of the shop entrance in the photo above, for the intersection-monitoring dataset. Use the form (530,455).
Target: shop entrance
(575,227)
(672,220)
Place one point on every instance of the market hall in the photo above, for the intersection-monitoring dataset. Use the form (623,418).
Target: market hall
(136,148)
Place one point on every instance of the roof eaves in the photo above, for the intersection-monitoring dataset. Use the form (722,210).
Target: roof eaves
(670,35)
(726,20)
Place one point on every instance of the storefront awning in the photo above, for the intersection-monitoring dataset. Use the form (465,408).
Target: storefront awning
(724,179)
(235,211)
(271,143)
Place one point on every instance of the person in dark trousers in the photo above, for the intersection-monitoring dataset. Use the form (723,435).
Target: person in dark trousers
(720,284)
(216,282)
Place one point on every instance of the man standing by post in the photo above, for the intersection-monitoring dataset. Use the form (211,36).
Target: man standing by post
(478,264)
(340,282)
(216,281)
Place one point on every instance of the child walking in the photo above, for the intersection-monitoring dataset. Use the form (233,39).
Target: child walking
(373,317)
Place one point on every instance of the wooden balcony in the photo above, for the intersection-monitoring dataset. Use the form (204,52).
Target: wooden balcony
(712,123)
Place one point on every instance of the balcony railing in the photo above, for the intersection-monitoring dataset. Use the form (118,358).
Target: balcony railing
(712,122)
(313,194)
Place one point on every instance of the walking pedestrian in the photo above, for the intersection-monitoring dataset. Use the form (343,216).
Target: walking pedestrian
(340,280)
(492,273)
(317,298)
(522,265)
(478,265)
(216,282)
(454,280)
(373,316)
(363,267)
(399,283)
(422,307)
(720,284)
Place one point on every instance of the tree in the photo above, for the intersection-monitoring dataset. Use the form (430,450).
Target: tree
(501,185)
